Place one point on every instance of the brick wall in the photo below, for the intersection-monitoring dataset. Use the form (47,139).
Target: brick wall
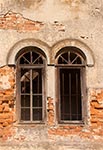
(96,111)
(7,101)
(8,111)
(13,21)
(17,22)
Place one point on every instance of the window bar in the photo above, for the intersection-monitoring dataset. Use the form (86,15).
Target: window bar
(38,92)
(31,99)
(69,61)
(31,57)
(20,96)
(63,97)
(36,60)
(70,94)
(25,59)
(77,95)
(74,59)
(64,60)
(42,91)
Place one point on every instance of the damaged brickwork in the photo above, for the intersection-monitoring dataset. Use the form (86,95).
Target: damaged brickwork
(7,101)
(96,111)
(16,22)
(51,28)
(10,130)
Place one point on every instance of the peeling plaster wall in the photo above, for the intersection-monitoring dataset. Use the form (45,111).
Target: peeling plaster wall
(37,10)
(46,23)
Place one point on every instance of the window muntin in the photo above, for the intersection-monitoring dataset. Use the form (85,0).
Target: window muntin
(30,70)
(31,58)
(70,56)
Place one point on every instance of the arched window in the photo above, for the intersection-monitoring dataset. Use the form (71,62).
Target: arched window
(30,84)
(71,67)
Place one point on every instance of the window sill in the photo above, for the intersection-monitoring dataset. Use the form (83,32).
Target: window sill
(71,123)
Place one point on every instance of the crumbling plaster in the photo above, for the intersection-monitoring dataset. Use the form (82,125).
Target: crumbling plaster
(64,23)
(83,24)
(37,10)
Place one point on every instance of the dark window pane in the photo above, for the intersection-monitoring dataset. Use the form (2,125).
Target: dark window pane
(78,61)
(25,59)
(30,83)
(36,58)
(70,94)
(37,81)
(25,100)
(65,108)
(25,81)
(25,114)
(37,101)
(73,57)
(37,114)
(70,58)
(31,58)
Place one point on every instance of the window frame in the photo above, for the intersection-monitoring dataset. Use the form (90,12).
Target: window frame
(82,68)
(19,66)
(82,72)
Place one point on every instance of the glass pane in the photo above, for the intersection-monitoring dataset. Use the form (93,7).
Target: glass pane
(25,81)
(36,58)
(63,59)
(65,108)
(78,61)
(37,81)
(69,58)
(37,101)
(25,59)
(37,114)
(25,114)
(73,58)
(25,100)
(70,86)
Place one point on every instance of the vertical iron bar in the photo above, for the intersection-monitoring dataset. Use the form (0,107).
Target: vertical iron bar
(70,94)
(38,92)
(63,97)
(30,57)
(69,61)
(31,96)
(42,93)
(20,93)
(77,95)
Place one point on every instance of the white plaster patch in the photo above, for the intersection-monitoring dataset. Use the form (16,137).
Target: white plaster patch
(5,83)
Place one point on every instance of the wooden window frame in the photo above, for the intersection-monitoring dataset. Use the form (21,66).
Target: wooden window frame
(83,86)
(83,90)
(18,93)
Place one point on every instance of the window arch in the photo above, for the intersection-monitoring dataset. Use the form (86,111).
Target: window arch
(70,56)
(30,62)
(70,62)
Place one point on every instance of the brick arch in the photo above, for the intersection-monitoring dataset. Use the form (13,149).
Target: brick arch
(25,43)
(75,43)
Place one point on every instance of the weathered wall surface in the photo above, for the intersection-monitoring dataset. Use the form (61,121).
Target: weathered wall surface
(84,24)
(47,22)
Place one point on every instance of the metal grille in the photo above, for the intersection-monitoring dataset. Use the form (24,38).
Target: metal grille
(31,67)
(70,94)
(70,63)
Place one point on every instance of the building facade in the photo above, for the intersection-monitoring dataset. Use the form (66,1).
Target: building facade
(51,69)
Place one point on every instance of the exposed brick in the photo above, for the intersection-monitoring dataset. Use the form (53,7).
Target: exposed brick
(7,101)
(50,111)
(96,109)
(17,22)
